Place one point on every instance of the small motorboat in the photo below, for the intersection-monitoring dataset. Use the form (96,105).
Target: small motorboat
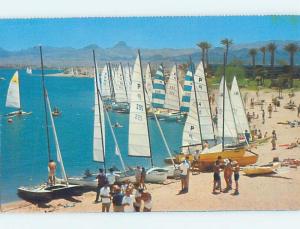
(56,112)
(10,120)
(117,125)
(261,170)
(2,78)
(156,175)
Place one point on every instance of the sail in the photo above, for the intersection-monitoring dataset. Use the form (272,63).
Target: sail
(187,88)
(172,100)
(238,108)
(99,127)
(13,93)
(105,84)
(138,142)
(158,94)
(148,85)
(206,123)
(119,86)
(58,152)
(229,124)
(127,74)
(191,131)
(28,70)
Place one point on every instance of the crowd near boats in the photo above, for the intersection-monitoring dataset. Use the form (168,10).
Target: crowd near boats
(131,90)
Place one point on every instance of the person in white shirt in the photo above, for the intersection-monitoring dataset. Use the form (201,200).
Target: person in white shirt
(184,175)
(127,200)
(106,197)
(111,177)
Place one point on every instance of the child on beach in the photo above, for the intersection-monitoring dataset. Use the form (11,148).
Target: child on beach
(236,170)
(270,110)
(217,178)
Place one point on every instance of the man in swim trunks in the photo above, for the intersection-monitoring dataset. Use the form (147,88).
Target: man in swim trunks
(236,170)
(51,168)
(217,177)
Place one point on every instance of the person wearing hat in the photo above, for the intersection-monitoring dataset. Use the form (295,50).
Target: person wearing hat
(101,178)
(106,197)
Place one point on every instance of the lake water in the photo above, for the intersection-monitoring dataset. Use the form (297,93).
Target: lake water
(24,156)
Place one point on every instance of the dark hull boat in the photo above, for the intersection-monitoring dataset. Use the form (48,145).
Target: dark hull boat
(46,193)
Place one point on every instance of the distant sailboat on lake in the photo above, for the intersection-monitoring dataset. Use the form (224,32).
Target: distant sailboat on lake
(29,70)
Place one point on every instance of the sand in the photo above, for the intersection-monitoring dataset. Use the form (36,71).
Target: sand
(270,192)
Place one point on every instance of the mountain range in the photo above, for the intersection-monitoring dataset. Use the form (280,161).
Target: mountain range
(121,52)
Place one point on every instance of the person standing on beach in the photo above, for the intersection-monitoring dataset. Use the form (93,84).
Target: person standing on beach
(138,175)
(228,175)
(138,200)
(217,177)
(263,116)
(236,171)
(270,110)
(106,197)
(52,169)
(143,177)
(247,136)
(298,111)
(127,200)
(101,182)
(111,177)
(184,167)
(147,198)
(274,139)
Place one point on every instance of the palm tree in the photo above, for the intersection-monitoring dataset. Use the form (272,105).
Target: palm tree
(202,46)
(252,53)
(207,47)
(263,50)
(227,43)
(291,48)
(271,48)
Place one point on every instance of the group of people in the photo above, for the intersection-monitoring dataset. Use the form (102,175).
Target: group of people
(230,168)
(125,197)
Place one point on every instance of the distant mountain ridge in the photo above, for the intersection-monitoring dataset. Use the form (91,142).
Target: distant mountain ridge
(121,52)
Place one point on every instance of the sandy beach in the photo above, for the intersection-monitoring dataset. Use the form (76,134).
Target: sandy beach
(278,191)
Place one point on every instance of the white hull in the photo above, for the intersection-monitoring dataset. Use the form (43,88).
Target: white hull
(156,175)
(17,113)
(90,182)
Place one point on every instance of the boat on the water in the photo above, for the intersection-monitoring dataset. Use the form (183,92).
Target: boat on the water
(13,97)
(56,112)
(46,192)
(261,170)
(29,70)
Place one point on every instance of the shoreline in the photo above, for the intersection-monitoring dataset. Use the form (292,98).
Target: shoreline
(278,191)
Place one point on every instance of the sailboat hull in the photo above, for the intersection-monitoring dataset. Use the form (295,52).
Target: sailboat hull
(156,175)
(47,193)
(17,113)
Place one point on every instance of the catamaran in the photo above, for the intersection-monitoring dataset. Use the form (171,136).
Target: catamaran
(120,103)
(99,149)
(46,192)
(139,138)
(13,97)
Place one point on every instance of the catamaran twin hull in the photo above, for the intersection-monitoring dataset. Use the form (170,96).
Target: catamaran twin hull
(47,193)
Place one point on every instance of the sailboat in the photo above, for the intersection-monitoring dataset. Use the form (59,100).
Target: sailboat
(99,149)
(47,192)
(13,97)
(238,109)
(139,138)
(120,103)
(29,70)
(148,86)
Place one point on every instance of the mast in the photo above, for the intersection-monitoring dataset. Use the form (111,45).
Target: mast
(151,157)
(195,94)
(45,104)
(98,95)
(223,108)
(124,80)
(112,91)
(129,72)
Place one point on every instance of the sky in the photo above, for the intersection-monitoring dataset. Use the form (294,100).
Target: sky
(145,32)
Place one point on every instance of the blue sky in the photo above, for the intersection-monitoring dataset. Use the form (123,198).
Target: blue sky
(160,32)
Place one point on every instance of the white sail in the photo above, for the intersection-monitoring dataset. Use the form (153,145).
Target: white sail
(105,84)
(13,93)
(191,131)
(238,108)
(172,100)
(99,127)
(127,74)
(229,124)
(58,152)
(159,88)
(119,86)
(148,85)
(138,142)
(206,123)
(188,83)
(28,70)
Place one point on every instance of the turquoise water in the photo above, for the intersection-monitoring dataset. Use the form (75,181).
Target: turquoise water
(23,143)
